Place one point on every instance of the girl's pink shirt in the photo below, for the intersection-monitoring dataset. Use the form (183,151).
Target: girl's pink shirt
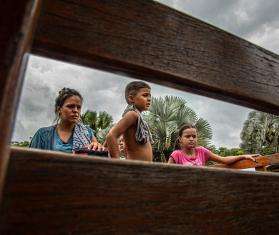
(201,157)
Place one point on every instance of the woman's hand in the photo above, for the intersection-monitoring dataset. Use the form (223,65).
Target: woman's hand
(96,146)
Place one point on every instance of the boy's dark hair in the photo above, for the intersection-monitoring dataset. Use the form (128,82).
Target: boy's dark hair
(181,129)
(64,94)
(133,87)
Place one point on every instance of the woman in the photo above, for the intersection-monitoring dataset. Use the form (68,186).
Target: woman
(69,134)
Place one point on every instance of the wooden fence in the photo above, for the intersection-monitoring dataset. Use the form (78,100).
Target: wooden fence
(52,193)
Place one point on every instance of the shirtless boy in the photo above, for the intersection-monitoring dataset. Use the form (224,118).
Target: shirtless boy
(134,129)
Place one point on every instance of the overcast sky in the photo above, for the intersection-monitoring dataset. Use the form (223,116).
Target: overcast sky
(255,20)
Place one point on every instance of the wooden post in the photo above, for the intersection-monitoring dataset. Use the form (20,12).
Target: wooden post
(17,21)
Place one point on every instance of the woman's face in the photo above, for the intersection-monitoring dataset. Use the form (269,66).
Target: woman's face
(70,110)
(188,139)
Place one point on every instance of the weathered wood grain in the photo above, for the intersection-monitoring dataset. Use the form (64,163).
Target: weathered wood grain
(150,41)
(17,20)
(52,193)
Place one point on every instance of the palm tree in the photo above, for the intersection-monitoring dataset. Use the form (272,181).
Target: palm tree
(165,116)
(100,122)
(250,134)
(260,133)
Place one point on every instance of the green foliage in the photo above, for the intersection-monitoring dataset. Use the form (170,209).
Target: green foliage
(90,118)
(260,133)
(224,152)
(100,122)
(165,116)
(102,133)
(23,144)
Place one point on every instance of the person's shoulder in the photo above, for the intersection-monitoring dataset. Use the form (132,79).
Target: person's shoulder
(41,135)
(44,130)
(47,128)
(132,115)
(176,155)
(176,152)
(87,127)
(131,112)
(90,131)
(202,149)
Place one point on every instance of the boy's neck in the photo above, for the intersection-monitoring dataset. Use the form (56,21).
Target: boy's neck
(137,108)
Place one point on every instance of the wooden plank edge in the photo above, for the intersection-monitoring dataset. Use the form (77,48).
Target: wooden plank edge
(53,156)
(21,40)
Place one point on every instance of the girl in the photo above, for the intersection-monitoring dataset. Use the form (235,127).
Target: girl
(189,154)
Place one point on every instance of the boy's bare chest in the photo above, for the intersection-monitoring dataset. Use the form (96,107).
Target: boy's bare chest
(134,150)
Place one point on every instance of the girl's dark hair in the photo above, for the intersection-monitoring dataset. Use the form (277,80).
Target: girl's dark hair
(64,94)
(181,129)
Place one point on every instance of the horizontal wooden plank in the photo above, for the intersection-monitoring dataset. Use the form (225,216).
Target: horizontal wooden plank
(17,22)
(150,41)
(53,193)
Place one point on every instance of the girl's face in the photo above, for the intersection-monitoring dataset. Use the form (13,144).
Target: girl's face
(188,139)
(70,110)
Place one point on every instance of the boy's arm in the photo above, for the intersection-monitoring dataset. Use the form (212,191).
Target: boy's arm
(126,122)
(230,159)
